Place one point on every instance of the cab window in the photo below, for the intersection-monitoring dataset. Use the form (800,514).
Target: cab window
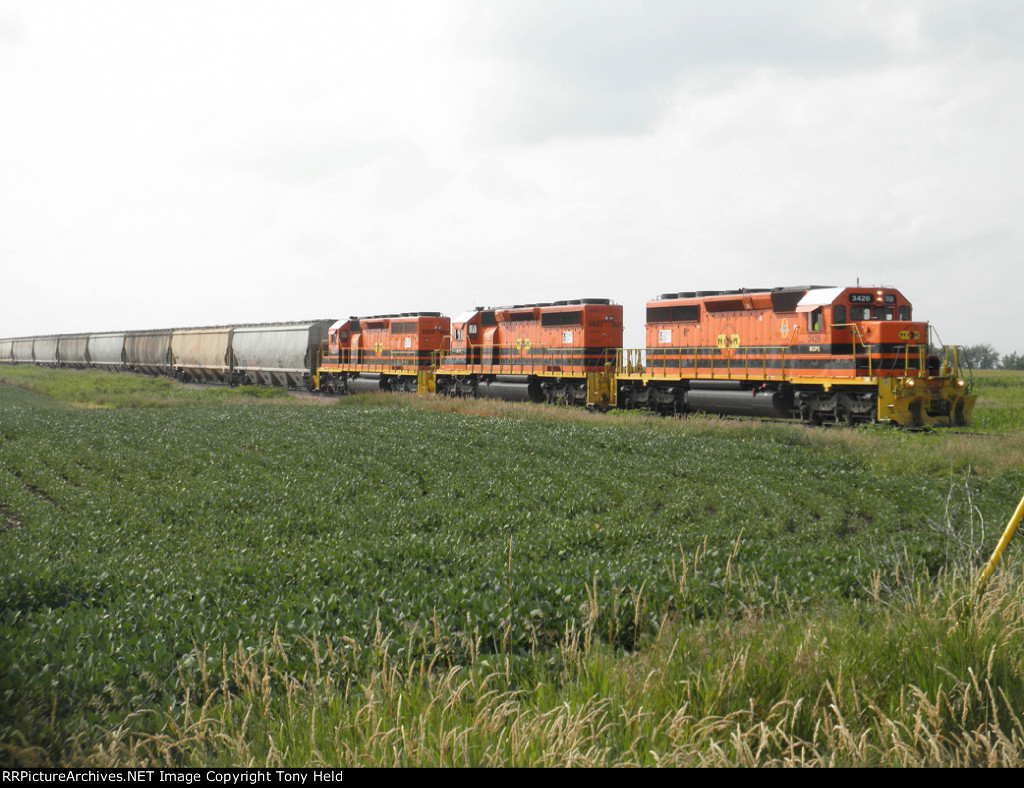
(838,314)
(815,321)
(904,312)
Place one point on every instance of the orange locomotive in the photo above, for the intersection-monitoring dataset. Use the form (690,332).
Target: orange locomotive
(538,352)
(383,353)
(820,353)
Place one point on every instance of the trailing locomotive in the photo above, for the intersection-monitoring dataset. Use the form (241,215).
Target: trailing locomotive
(382,352)
(820,354)
(547,352)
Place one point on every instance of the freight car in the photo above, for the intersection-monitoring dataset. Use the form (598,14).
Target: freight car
(73,350)
(281,354)
(106,351)
(202,354)
(277,354)
(44,351)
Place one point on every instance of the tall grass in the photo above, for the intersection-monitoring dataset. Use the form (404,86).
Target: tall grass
(934,679)
(100,389)
(716,666)
(1000,406)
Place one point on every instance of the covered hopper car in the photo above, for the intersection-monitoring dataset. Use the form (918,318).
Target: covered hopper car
(277,354)
(281,354)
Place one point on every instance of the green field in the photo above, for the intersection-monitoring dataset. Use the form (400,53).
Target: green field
(197,575)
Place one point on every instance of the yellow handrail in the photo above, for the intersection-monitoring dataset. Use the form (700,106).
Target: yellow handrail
(629,361)
(567,358)
(997,554)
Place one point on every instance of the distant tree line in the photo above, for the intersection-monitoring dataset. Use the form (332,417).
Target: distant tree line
(985,357)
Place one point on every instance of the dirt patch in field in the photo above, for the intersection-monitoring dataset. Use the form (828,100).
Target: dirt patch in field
(8,520)
(314,397)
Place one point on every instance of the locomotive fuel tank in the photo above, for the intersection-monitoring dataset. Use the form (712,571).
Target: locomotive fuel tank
(515,388)
(726,402)
(364,383)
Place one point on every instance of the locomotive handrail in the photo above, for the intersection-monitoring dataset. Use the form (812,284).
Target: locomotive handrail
(856,335)
(737,362)
(629,361)
(383,360)
(574,360)
(952,367)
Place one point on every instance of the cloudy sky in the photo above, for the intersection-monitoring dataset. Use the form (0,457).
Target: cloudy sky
(179,162)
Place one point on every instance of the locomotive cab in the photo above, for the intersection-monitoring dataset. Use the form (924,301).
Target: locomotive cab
(875,330)
(820,353)
(873,326)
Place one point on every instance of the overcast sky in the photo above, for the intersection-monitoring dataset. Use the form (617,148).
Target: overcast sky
(170,163)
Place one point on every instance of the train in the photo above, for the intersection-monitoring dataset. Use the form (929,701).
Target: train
(820,354)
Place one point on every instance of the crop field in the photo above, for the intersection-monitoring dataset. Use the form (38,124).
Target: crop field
(194,575)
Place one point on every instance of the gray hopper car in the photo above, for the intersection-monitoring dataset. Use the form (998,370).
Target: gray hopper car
(22,350)
(272,354)
(106,351)
(73,350)
(202,354)
(280,354)
(149,351)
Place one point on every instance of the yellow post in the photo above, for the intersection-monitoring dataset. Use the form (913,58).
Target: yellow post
(998,552)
